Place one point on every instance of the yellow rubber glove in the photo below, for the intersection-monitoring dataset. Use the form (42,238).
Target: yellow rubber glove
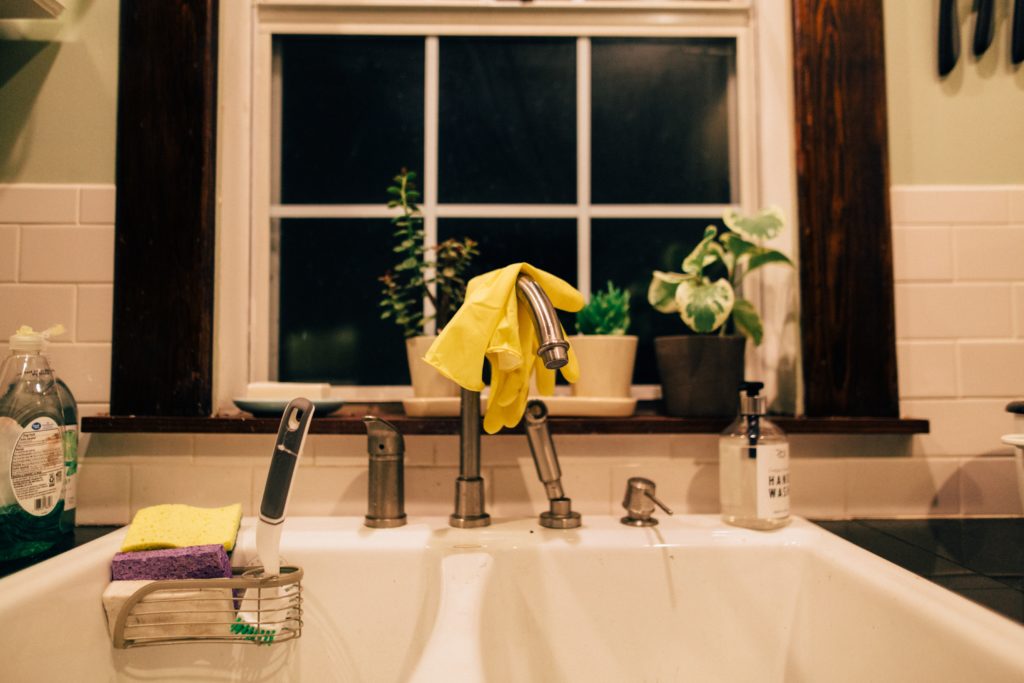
(491,324)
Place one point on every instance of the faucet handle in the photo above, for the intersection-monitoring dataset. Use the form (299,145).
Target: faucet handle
(640,501)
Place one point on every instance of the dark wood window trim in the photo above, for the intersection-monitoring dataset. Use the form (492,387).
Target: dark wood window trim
(163,289)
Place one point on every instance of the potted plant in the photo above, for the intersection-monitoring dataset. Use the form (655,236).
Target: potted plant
(701,373)
(436,273)
(605,352)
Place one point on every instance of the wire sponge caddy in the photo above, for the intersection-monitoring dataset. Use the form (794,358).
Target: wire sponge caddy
(213,610)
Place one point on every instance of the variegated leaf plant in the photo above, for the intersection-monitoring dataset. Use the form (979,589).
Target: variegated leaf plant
(705,305)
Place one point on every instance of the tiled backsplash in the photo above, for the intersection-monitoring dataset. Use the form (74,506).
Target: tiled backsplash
(959,262)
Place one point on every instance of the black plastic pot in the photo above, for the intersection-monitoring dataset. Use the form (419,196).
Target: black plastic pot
(700,374)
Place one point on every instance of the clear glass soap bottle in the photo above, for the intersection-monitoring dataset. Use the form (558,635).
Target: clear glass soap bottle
(753,457)
(32,466)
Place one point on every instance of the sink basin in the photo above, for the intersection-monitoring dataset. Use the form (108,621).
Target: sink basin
(691,599)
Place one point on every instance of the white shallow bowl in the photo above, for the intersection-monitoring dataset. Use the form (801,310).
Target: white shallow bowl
(688,600)
(272,407)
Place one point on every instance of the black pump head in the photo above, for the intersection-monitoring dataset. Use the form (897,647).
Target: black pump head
(751,388)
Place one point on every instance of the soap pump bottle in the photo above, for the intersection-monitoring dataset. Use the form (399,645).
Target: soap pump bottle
(754,466)
(32,463)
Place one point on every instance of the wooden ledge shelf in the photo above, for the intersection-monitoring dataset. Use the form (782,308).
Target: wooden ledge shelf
(349,421)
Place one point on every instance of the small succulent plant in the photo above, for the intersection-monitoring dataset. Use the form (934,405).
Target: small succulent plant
(607,313)
(707,305)
(438,273)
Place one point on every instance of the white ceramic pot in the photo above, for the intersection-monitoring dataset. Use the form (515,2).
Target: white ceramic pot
(427,382)
(606,365)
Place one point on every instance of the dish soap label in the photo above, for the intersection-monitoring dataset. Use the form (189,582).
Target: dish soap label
(773,481)
(37,466)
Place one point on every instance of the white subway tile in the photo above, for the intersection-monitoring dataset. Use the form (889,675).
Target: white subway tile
(42,204)
(960,427)
(103,493)
(85,368)
(174,449)
(251,449)
(67,254)
(203,486)
(991,368)
(922,253)
(1017,205)
(988,486)
(1018,309)
(517,491)
(818,487)
(833,446)
(702,448)
(431,490)
(95,313)
(39,306)
(984,253)
(9,253)
(96,205)
(514,493)
(953,311)
(320,491)
(942,204)
(337,450)
(926,369)
(686,486)
(603,445)
(882,487)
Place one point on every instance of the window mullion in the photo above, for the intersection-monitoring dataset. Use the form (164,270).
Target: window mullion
(583,165)
(431,96)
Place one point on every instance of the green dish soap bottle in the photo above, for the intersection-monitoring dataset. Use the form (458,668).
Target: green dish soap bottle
(32,468)
(753,466)
(70,410)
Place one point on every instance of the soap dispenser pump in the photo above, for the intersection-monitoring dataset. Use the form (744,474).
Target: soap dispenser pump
(753,457)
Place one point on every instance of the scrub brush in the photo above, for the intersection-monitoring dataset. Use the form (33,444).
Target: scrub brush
(264,609)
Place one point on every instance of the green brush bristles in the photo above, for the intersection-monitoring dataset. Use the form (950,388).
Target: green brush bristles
(251,632)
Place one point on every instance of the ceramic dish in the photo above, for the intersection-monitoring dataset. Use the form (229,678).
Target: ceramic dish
(272,407)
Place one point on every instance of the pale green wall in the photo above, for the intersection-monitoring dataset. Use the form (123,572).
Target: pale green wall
(965,129)
(58,95)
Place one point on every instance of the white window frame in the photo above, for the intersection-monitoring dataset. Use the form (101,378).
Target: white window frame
(764,172)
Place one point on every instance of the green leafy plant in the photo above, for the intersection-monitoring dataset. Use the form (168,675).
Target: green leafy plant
(438,273)
(705,304)
(607,312)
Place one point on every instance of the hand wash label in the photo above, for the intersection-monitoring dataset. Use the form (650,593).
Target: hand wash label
(753,468)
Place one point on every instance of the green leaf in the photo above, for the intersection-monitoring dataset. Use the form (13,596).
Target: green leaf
(748,322)
(661,292)
(704,306)
(704,254)
(765,225)
(765,256)
(737,245)
(396,191)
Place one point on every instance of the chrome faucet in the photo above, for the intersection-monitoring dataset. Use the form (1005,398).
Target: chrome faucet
(469,486)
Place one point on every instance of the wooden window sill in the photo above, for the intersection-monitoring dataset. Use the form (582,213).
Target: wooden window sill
(348,420)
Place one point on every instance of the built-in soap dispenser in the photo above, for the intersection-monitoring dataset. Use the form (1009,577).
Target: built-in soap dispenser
(385,500)
(753,457)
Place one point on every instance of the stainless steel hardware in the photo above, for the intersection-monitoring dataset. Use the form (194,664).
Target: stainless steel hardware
(469,486)
(640,501)
(560,515)
(385,501)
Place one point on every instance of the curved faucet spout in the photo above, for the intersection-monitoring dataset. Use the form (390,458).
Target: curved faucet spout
(554,350)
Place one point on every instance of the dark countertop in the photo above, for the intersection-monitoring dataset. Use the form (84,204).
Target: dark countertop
(980,559)
(81,536)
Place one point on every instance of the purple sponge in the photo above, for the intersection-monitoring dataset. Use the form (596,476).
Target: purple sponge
(193,562)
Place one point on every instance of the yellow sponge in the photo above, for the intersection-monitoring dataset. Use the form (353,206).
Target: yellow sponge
(180,526)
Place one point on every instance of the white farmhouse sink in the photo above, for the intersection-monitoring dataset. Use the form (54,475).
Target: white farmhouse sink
(689,600)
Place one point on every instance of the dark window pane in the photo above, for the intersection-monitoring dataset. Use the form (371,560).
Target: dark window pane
(547,243)
(507,120)
(352,116)
(626,251)
(330,327)
(660,127)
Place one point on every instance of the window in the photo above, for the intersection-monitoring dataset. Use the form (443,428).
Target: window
(595,144)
